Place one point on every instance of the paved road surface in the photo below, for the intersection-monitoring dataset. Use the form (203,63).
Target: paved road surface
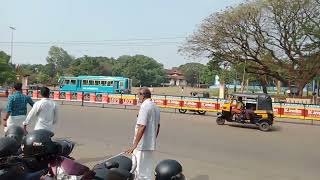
(206,150)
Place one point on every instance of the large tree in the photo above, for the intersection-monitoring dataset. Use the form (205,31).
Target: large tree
(193,73)
(59,59)
(143,70)
(278,39)
(87,65)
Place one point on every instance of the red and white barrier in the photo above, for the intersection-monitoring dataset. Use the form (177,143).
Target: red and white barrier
(285,110)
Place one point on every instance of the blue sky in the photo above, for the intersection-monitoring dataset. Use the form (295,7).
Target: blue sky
(154,28)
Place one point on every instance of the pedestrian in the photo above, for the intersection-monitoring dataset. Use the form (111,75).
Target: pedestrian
(146,132)
(16,109)
(44,111)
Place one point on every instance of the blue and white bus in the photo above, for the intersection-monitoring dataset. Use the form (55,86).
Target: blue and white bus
(99,84)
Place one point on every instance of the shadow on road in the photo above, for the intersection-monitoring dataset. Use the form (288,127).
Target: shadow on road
(254,127)
(201,177)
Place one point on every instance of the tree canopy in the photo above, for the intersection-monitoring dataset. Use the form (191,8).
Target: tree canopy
(7,73)
(278,39)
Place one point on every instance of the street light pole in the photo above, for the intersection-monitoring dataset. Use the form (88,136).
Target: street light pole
(12,29)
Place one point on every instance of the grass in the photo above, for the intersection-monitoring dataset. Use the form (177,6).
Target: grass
(176,91)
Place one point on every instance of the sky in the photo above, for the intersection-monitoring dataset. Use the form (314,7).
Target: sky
(154,28)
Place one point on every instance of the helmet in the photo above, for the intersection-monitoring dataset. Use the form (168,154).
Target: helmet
(169,170)
(39,143)
(123,162)
(15,132)
(116,168)
(65,147)
(8,146)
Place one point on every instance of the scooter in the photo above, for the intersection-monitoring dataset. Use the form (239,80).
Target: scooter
(116,167)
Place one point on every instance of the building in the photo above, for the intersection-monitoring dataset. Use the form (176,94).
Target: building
(176,77)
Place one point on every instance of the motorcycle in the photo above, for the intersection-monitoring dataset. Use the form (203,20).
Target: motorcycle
(116,167)
(43,158)
(13,166)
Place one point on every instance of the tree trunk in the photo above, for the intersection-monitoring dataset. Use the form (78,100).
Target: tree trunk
(278,88)
(264,84)
(300,86)
(221,90)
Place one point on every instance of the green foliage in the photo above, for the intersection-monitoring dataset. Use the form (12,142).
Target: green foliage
(143,70)
(59,58)
(7,71)
(192,72)
(91,66)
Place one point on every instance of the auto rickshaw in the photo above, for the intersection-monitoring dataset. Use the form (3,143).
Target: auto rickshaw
(257,110)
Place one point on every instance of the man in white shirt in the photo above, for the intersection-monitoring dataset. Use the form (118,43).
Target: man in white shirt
(146,131)
(45,111)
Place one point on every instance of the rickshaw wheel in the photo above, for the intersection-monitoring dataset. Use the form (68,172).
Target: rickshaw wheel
(264,126)
(220,121)
(182,111)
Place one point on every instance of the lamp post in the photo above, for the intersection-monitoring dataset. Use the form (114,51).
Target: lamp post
(12,29)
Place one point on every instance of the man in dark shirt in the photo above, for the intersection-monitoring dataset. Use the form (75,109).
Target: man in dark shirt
(16,110)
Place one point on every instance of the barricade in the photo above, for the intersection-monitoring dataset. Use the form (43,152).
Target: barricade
(282,110)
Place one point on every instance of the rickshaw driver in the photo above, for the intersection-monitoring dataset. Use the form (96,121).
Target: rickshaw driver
(239,106)
(239,109)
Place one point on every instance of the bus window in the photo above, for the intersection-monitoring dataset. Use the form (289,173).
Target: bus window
(66,81)
(91,82)
(97,83)
(103,83)
(73,82)
(109,83)
(84,82)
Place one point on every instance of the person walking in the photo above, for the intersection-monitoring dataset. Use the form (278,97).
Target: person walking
(16,109)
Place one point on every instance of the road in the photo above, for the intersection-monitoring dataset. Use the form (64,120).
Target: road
(206,150)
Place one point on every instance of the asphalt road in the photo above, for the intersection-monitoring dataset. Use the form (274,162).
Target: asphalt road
(206,150)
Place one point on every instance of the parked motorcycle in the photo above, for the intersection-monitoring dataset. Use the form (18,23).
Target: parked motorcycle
(42,157)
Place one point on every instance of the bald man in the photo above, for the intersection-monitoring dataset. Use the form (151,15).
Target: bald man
(146,132)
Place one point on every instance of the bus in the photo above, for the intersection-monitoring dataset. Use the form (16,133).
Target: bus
(98,84)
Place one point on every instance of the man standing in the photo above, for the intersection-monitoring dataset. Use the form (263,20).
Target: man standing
(146,131)
(45,111)
(16,110)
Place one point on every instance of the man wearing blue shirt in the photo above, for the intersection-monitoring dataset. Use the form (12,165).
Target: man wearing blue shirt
(16,110)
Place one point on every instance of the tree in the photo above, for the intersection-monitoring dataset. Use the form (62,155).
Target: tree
(278,39)
(7,72)
(193,72)
(87,65)
(59,59)
(143,70)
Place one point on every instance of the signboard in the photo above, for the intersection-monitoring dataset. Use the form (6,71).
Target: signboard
(173,102)
(159,100)
(207,104)
(312,112)
(128,99)
(190,103)
(293,110)
(115,99)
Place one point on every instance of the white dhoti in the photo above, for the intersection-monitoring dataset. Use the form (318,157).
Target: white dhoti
(15,121)
(145,165)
